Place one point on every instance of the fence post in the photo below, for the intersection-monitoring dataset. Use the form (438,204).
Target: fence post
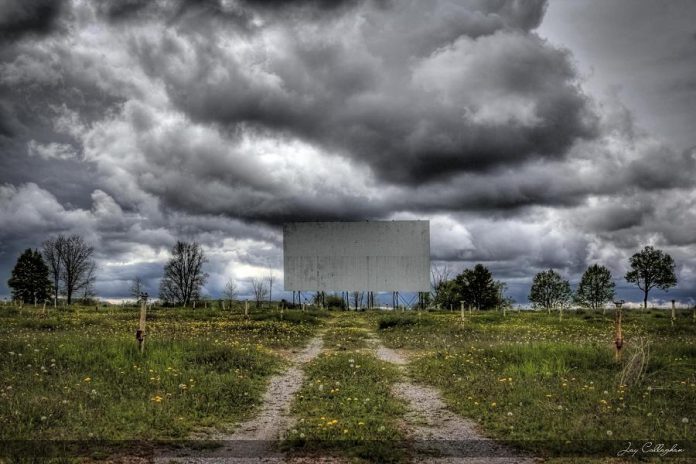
(140,333)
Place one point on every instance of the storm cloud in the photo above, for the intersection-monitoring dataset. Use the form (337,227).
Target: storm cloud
(139,123)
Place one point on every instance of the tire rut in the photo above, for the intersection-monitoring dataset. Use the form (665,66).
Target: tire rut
(437,434)
(256,440)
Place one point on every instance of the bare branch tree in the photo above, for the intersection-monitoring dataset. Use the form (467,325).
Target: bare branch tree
(77,265)
(230,290)
(88,287)
(270,280)
(137,288)
(183,274)
(260,290)
(439,276)
(52,251)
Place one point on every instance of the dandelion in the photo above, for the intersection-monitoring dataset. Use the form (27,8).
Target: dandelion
(509,413)
(685,420)
(302,435)
(610,433)
(87,379)
(43,418)
(381,428)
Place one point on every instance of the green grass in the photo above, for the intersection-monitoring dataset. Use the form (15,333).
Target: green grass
(345,408)
(549,384)
(527,377)
(77,374)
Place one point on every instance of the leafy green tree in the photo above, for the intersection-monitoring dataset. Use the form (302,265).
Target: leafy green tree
(651,268)
(596,287)
(446,295)
(477,288)
(549,291)
(29,280)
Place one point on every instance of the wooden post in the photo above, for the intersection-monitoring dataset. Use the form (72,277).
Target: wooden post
(674,315)
(469,310)
(618,335)
(246,308)
(462,307)
(140,333)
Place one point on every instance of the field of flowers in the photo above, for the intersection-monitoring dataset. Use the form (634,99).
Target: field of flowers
(77,374)
(554,386)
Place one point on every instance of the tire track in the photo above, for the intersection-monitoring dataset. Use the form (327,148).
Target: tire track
(438,435)
(256,440)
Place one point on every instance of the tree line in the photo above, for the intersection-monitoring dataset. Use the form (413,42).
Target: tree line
(65,266)
(648,269)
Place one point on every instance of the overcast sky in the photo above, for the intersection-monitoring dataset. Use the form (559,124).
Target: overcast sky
(531,134)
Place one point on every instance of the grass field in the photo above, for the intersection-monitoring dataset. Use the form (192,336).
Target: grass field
(547,385)
(551,385)
(78,374)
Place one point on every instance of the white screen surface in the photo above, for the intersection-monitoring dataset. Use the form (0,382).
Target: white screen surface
(357,256)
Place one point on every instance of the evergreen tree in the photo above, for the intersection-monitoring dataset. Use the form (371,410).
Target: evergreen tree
(477,288)
(29,280)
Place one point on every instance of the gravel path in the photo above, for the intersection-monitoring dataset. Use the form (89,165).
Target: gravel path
(437,434)
(256,440)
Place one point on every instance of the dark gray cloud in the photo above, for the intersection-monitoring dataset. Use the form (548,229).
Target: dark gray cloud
(19,18)
(139,123)
(484,95)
